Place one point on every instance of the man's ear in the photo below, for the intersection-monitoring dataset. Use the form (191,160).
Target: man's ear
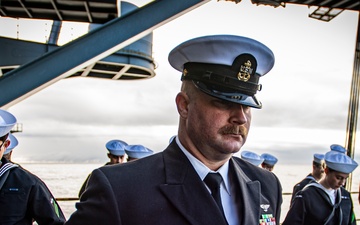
(326,170)
(7,143)
(182,101)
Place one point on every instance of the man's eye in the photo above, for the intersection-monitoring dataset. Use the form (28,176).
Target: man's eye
(221,103)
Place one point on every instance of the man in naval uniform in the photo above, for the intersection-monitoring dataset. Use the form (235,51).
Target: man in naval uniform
(325,202)
(251,157)
(196,179)
(135,152)
(116,151)
(317,173)
(269,161)
(24,198)
(116,154)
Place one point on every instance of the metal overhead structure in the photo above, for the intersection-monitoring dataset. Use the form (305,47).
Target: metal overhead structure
(66,60)
(329,4)
(93,11)
(101,11)
(133,62)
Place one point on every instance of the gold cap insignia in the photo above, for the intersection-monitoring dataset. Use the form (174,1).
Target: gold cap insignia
(245,71)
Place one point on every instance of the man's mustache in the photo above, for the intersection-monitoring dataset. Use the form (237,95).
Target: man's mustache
(237,130)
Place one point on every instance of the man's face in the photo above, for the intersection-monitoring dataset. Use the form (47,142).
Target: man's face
(335,179)
(114,159)
(267,167)
(319,171)
(216,125)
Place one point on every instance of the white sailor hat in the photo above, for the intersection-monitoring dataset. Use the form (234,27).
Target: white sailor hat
(137,151)
(252,157)
(7,122)
(224,66)
(116,147)
(13,143)
(269,159)
(337,148)
(340,162)
(318,158)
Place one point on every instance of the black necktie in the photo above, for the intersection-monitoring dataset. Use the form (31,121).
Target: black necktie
(213,181)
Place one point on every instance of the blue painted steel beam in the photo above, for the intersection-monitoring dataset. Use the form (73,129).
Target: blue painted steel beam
(28,79)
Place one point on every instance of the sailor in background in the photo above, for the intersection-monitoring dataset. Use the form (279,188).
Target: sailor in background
(269,161)
(24,198)
(318,171)
(116,154)
(252,157)
(135,152)
(197,179)
(13,143)
(325,202)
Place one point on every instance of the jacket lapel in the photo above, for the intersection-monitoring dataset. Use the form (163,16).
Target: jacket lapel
(251,195)
(186,191)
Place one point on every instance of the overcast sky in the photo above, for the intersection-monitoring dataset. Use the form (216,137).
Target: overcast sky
(305,96)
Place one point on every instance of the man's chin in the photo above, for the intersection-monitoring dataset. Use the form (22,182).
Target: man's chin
(235,147)
(238,142)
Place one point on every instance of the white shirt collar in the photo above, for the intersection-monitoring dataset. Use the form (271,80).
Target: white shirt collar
(330,192)
(203,170)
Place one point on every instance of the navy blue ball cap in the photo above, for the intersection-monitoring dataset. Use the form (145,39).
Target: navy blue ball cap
(224,66)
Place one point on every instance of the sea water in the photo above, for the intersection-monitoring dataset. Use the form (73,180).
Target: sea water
(65,180)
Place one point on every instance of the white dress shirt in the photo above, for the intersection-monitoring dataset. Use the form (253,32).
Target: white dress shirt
(227,190)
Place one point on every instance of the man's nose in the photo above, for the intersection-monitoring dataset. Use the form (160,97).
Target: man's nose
(239,114)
